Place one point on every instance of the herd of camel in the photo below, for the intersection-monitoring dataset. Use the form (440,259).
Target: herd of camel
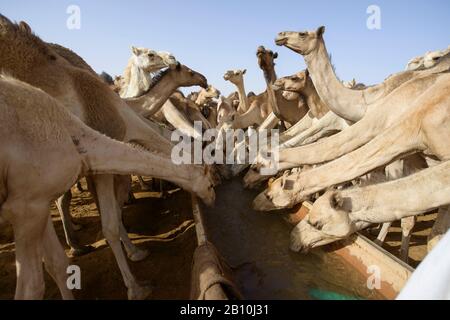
(364,155)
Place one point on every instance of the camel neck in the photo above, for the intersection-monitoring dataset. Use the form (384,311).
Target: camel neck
(270,76)
(346,103)
(317,107)
(243,102)
(154,99)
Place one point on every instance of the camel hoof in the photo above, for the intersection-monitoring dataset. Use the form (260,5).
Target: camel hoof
(139,255)
(139,293)
(81,251)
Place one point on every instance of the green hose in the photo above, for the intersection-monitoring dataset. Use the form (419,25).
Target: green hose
(329,295)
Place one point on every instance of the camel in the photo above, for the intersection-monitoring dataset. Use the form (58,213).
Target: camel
(428,60)
(339,213)
(315,153)
(37,126)
(160,89)
(236,77)
(260,107)
(327,124)
(206,95)
(412,119)
(319,122)
(138,72)
(26,57)
(346,103)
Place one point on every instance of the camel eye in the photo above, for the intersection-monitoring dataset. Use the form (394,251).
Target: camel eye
(302,34)
(315,225)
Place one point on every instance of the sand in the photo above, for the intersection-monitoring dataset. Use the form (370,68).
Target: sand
(165,227)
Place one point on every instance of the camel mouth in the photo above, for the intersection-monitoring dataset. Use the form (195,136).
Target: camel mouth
(280,41)
(277,87)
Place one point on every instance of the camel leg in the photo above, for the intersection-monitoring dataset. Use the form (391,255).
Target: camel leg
(63,205)
(122,184)
(440,227)
(143,184)
(407,225)
(302,125)
(329,124)
(110,213)
(55,259)
(29,221)
(383,233)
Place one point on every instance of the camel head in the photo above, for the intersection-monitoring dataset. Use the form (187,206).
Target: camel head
(328,221)
(280,194)
(303,42)
(295,83)
(150,61)
(266,61)
(293,86)
(203,184)
(235,76)
(210,93)
(428,60)
(184,76)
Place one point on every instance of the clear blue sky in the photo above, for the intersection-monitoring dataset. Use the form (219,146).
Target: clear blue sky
(214,36)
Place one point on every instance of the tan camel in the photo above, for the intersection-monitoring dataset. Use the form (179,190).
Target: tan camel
(28,58)
(412,119)
(236,77)
(337,214)
(428,60)
(140,68)
(290,111)
(383,113)
(206,95)
(347,103)
(36,126)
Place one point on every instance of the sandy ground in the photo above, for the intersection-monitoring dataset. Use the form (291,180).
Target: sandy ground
(165,227)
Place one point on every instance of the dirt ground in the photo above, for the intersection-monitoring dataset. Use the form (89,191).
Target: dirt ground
(164,226)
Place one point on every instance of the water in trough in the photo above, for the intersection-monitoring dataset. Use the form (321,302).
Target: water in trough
(257,245)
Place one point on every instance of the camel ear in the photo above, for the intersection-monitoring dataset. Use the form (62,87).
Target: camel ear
(135,50)
(320,31)
(24,27)
(244,71)
(336,200)
(275,55)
